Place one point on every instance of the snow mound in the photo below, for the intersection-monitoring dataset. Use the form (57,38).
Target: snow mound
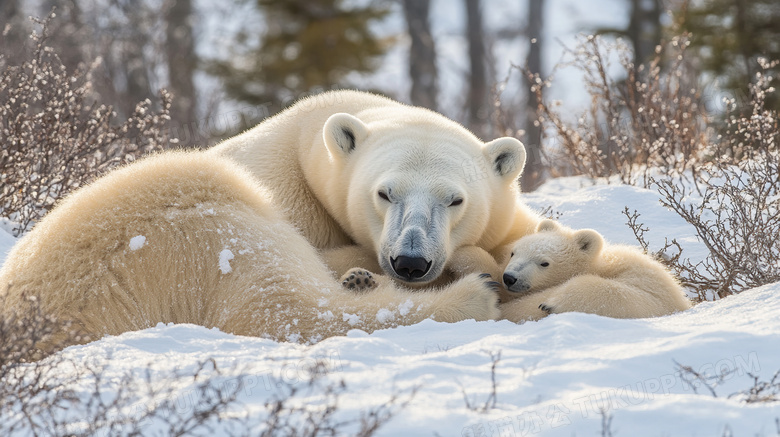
(554,376)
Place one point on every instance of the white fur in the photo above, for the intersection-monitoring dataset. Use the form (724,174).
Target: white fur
(585,274)
(215,253)
(326,159)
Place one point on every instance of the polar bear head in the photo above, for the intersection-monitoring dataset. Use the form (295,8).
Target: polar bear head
(550,257)
(419,186)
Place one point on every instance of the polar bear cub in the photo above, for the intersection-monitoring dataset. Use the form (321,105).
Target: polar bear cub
(558,270)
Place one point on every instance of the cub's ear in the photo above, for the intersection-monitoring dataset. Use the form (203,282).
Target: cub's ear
(547,225)
(589,241)
(342,133)
(506,157)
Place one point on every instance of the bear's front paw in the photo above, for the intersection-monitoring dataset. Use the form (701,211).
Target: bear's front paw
(473,297)
(493,285)
(358,280)
(547,308)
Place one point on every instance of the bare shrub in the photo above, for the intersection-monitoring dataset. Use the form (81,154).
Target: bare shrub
(670,255)
(158,405)
(490,402)
(54,139)
(44,400)
(606,423)
(759,392)
(695,380)
(42,396)
(62,396)
(650,121)
(735,207)
(29,389)
(288,415)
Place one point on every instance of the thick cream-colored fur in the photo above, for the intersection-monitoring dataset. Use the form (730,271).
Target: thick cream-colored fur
(325,158)
(216,253)
(587,275)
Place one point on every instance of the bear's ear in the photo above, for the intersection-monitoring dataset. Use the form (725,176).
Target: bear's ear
(589,241)
(342,132)
(506,157)
(547,225)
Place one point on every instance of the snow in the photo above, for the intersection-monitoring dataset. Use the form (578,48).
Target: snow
(584,205)
(553,377)
(137,242)
(352,319)
(224,261)
(6,238)
(384,315)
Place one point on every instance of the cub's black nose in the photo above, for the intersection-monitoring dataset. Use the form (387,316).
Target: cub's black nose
(410,268)
(509,280)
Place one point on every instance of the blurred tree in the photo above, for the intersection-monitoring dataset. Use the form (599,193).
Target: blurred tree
(729,35)
(119,41)
(422,54)
(68,33)
(479,94)
(134,67)
(182,61)
(125,46)
(14,28)
(644,29)
(532,175)
(306,45)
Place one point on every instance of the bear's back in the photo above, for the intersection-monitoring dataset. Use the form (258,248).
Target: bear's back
(146,238)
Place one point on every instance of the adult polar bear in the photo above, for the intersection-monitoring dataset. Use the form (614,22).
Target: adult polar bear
(388,187)
(189,238)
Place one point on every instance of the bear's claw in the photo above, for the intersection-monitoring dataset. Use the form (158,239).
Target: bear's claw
(493,285)
(546,308)
(358,280)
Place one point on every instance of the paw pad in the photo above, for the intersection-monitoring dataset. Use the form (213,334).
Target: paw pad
(358,280)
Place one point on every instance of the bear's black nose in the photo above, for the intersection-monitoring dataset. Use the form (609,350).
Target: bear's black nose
(509,280)
(410,268)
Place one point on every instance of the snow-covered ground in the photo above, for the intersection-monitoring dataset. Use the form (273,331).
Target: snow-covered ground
(553,378)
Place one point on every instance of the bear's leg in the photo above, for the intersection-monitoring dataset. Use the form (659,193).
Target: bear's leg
(525,308)
(606,297)
(314,305)
(472,297)
(323,308)
(358,280)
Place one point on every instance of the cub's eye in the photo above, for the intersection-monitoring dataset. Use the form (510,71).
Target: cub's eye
(383,195)
(456,202)
(544,264)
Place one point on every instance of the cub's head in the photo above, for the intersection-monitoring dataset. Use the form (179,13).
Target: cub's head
(550,257)
(419,186)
